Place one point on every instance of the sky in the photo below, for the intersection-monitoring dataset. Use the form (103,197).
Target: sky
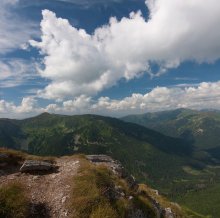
(108,57)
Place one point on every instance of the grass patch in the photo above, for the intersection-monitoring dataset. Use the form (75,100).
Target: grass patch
(144,190)
(191,214)
(145,205)
(180,212)
(13,201)
(14,157)
(104,210)
(89,190)
(94,195)
(208,197)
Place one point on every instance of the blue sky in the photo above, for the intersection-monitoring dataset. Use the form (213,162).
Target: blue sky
(73,57)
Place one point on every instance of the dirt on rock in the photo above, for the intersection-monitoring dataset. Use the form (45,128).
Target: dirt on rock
(49,193)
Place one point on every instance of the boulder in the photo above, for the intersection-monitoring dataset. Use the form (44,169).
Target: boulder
(34,166)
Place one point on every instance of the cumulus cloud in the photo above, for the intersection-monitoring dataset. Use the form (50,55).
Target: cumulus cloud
(28,107)
(78,63)
(204,96)
(28,104)
(15,31)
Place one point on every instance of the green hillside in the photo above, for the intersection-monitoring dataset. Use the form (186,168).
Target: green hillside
(143,151)
(165,163)
(199,127)
(10,134)
(202,129)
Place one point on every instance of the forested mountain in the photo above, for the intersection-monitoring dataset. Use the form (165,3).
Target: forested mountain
(142,150)
(49,134)
(202,128)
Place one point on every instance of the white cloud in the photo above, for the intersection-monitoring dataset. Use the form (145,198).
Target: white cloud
(15,72)
(6,108)
(28,107)
(204,96)
(78,63)
(15,31)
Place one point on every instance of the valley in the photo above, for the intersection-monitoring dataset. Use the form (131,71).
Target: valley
(200,188)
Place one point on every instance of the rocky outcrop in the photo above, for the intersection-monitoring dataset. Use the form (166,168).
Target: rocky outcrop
(100,158)
(116,168)
(117,192)
(35,166)
(167,213)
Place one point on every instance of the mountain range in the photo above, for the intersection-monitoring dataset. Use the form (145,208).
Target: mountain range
(201,128)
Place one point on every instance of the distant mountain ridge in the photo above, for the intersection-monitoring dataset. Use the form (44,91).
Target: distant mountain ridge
(92,128)
(202,128)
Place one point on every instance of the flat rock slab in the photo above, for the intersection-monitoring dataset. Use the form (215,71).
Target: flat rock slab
(99,158)
(3,157)
(34,166)
(115,166)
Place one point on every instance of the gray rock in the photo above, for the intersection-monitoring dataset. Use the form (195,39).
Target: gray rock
(116,168)
(35,178)
(132,182)
(130,197)
(99,158)
(34,165)
(167,213)
(3,157)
